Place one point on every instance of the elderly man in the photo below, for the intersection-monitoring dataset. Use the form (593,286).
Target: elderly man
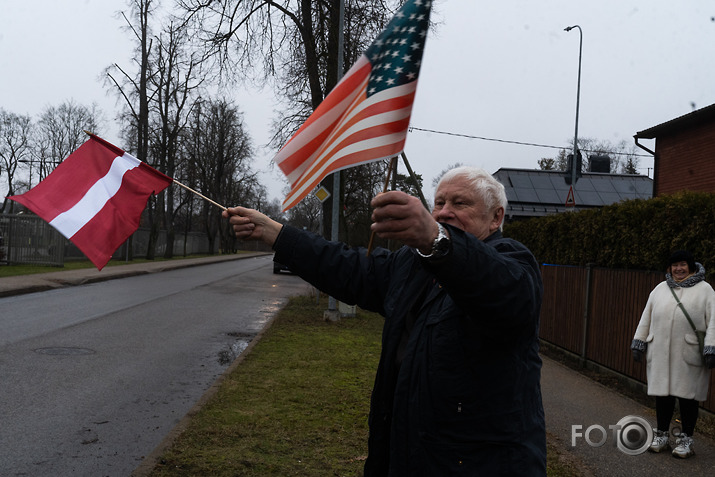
(457,390)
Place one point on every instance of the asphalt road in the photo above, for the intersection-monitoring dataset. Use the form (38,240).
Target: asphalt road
(93,377)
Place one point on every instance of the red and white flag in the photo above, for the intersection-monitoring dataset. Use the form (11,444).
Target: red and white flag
(95,197)
(366,116)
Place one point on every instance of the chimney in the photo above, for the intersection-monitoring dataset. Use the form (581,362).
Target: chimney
(599,164)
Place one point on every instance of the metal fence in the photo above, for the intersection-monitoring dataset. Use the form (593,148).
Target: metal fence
(593,313)
(29,240)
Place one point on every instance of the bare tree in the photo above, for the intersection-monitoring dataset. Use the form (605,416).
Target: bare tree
(294,41)
(15,147)
(306,214)
(134,89)
(273,210)
(359,186)
(627,157)
(60,131)
(176,79)
(219,152)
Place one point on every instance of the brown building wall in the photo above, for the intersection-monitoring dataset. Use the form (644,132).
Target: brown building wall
(686,160)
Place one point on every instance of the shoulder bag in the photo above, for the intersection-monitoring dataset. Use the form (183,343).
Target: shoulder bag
(699,334)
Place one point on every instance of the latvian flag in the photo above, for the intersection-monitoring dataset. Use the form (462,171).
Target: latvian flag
(95,197)
(366,116)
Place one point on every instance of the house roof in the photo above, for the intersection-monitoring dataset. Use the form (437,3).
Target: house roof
(534,193)
(687,121)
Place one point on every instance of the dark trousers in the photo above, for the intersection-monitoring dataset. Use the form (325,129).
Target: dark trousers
(665,407)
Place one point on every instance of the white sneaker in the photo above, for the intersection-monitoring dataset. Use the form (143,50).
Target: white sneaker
(683,447)
(660,441)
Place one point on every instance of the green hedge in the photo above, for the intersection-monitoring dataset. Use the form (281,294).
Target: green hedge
(635,234)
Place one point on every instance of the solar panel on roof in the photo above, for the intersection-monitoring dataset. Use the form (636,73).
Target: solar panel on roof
(609,197)
(526,195)
(542,182)
(538,193)
(518,180)
(511,195)
(644,189)
(601,185)
(585,184)
(547,196)
(624,186)
(588,197)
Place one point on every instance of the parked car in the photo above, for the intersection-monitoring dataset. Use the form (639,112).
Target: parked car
(279,267)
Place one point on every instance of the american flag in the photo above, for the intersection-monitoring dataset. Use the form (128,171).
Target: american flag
(366,116)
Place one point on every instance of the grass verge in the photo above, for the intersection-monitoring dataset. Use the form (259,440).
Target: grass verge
(296,405)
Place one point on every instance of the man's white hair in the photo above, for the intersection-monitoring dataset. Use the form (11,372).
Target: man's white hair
(490,190)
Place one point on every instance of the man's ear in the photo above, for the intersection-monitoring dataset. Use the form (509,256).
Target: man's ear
(497,219)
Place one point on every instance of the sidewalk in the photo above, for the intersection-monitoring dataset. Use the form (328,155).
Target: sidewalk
(22,284)
(573,399)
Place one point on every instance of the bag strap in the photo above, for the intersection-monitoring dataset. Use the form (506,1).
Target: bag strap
(684,310)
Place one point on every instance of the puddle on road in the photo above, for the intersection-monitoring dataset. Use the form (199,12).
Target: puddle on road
(232,351)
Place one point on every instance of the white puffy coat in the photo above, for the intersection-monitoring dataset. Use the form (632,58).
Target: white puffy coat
(674,364)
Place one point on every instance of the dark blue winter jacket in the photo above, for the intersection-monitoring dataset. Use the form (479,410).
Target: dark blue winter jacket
(461,396)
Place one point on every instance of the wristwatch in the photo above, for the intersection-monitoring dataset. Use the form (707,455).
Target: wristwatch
(440,246)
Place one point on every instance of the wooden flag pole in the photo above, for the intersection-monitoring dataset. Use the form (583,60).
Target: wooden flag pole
(175,181)
(393,165)
(414,178)
(200,195)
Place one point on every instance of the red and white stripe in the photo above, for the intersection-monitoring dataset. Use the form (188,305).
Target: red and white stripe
(69,222)
(347,129)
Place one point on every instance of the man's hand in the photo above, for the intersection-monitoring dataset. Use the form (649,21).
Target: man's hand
(400,216)
(249,224)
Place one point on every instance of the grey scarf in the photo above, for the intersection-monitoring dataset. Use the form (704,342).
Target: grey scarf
(693,279)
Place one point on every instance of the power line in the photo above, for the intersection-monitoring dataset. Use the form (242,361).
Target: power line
(520,143)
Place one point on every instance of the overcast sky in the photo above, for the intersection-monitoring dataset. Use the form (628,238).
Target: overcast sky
(504,71)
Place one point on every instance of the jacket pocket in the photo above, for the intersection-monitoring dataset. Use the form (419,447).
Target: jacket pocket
(648,348)
(691,350)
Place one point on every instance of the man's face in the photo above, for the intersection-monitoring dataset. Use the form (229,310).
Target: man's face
(457,204)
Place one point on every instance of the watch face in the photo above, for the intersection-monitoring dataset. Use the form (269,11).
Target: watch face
(441,245)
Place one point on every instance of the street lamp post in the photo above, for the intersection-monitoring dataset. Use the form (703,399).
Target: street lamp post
(332,312)
(578,95)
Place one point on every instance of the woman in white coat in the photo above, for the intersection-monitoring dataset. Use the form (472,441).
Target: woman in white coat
(675,365)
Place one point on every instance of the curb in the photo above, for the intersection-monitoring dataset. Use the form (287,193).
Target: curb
(20,285)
